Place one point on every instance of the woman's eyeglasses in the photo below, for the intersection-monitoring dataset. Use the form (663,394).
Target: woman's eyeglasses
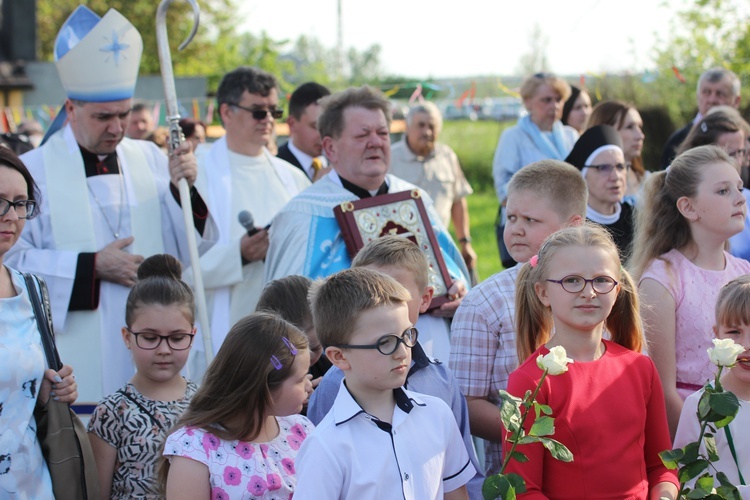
(387,344)
(150,341)
(575,283)
(25,209)
(607,168)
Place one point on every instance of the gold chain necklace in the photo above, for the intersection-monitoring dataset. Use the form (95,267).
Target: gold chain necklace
(116,234)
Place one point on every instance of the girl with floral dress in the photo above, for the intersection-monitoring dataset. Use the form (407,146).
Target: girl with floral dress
(241,433)
(128,428)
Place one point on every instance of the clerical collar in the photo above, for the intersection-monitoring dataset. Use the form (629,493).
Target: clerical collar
(96,165)
(362,192)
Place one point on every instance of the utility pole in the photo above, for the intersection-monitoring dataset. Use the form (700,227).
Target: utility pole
(340,45)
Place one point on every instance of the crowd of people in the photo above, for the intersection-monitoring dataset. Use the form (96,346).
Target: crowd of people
(327,379)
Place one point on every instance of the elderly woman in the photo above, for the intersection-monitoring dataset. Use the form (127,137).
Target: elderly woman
(540,135)
(599,155)
(577,109)
(724,127)
(626,119)
(25,383)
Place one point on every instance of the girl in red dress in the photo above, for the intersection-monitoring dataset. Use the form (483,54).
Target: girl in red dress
(609,406)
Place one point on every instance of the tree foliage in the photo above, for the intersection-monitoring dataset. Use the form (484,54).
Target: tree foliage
(218,47)
(215,45)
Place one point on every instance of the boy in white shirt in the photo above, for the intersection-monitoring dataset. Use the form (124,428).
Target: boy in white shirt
(379,440)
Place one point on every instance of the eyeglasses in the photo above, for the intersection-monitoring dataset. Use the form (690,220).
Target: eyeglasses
(543,75)
(387,344)
(740,153)
(607,168)
(150,341)
(575,283)
(260,114)
(25,209)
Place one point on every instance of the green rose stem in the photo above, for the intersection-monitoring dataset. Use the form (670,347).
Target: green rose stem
(527,403)
(719,388)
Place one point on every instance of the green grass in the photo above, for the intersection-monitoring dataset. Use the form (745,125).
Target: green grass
(474,144)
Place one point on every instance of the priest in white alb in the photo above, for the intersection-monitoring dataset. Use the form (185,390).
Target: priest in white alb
(107,201)
(238,174)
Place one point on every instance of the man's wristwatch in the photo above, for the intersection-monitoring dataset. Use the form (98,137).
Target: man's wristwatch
(464,240)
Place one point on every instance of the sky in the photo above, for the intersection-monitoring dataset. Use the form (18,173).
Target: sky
(443,38)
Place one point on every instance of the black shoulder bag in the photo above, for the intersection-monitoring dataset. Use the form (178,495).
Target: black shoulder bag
(62,435)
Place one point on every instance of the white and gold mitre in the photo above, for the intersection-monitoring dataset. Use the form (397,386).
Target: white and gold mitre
(98,58)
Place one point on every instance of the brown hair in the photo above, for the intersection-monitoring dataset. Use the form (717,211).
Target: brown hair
(659,225)
(287,297)
(398,252)
(733,303)
(331,120)
(710,128)
(555,181)
(159,283)
(532,83)
(338,301)
(10,160)
(613,113)
(236,391)
(534,322)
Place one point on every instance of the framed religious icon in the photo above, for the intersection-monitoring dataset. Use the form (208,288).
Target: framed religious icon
(400,214)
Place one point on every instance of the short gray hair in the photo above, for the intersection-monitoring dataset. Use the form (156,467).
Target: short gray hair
(429,108)
(715,75)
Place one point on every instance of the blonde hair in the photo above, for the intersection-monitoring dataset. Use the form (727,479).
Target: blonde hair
(339,300)
(397,252)
(531,84)
(659,225)
(560,183)
(534,322)
(733,303)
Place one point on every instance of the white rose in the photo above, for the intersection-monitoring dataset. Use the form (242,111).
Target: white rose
(556,362)
(724,352)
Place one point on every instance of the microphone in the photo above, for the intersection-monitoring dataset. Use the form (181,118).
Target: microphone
(246,219)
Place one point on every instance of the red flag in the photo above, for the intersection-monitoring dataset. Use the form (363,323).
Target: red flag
(678,75)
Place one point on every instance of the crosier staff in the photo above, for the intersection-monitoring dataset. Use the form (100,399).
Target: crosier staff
(175,138)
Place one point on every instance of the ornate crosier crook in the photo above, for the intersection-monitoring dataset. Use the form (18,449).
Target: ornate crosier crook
(175,138)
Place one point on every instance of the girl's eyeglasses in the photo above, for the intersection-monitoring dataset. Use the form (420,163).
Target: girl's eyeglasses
(575,283)
(387,344)
(150,341)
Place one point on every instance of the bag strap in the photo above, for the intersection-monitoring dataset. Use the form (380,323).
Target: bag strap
(43,318)
(734,453)
(142,408)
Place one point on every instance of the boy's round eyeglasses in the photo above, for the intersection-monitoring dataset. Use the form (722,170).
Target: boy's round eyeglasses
(387,344)
(575,283)
(150,341)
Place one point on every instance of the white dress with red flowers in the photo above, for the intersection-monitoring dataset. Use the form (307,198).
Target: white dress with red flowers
(239,469)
